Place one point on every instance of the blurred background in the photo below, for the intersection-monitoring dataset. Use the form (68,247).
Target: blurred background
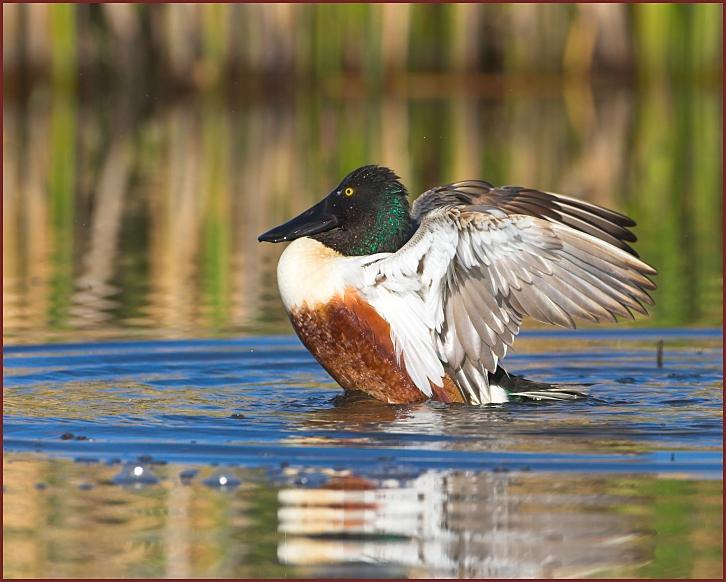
(146,146)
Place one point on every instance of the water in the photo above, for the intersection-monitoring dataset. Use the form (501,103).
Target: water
(257,466)
(159,419)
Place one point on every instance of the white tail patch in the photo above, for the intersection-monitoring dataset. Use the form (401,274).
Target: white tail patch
(497,394)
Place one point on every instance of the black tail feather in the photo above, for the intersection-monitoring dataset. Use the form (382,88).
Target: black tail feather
(520,387)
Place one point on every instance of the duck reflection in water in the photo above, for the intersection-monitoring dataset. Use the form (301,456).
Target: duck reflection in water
(463,524)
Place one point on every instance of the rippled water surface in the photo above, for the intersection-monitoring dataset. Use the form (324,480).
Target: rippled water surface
(241,458)
(159,419)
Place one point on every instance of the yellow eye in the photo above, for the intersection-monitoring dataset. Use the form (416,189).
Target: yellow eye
(348,191)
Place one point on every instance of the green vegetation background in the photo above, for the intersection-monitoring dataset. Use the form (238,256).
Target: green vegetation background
(145,146)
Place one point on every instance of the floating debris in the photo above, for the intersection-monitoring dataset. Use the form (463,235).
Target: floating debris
(69,436)
(187,475)
(86,460)
(237,415)
(223,481)
(659,355)
(135,474)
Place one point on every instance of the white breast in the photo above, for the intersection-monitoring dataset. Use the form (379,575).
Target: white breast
(310,273)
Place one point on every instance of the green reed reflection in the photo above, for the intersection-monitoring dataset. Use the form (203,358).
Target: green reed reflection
(216,267)
(675,184)
(153,226)
(136,182)
(677,553)
(62,159)
(61,193)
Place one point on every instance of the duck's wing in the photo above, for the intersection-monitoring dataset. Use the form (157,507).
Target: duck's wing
(480,261)
(607,225)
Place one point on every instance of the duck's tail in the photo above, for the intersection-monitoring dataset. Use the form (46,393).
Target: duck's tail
(519,388)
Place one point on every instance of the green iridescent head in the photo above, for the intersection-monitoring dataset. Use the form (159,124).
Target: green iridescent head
(367,213)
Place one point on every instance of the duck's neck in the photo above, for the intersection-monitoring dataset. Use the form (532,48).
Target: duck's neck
(387,230)
(384,231)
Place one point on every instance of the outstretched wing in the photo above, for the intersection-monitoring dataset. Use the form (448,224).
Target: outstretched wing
(481,259)
(607,225)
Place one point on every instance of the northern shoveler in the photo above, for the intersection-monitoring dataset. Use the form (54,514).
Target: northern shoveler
(409,303)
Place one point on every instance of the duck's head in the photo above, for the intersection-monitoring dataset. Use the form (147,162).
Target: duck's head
(366,213)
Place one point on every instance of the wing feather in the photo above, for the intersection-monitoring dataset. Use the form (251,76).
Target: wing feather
(483,258)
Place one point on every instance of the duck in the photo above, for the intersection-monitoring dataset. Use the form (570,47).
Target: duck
(411,302)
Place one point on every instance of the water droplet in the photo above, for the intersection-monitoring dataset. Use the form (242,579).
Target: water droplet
(222,481)
(135,474)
